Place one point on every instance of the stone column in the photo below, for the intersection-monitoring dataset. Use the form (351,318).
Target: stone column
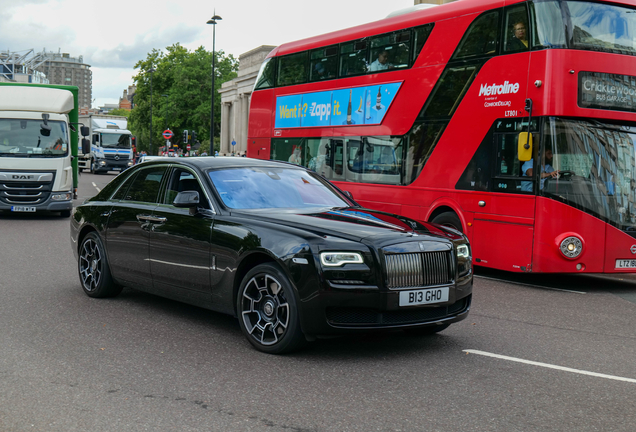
(225,126)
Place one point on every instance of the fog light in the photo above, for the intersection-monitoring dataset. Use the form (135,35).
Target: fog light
(571,247)
(102,163)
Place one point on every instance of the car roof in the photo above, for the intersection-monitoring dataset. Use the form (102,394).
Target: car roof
(207,162)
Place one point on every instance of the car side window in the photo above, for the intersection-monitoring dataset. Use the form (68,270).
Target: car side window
(145,186)
(184,180)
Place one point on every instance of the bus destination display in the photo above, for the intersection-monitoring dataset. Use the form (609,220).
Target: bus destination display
(607,91)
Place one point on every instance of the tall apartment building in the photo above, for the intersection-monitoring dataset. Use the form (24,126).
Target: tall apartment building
(61,68)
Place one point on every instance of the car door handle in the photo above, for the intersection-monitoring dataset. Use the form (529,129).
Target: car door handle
(152,219)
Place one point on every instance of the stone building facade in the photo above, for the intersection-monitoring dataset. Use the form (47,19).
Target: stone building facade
(235,100)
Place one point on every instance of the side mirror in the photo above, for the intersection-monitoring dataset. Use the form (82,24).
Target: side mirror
(524,149)
(86,146)
(85,131)
(95,139)
(186,199)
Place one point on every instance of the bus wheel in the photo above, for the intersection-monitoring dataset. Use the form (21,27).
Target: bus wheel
(449,219)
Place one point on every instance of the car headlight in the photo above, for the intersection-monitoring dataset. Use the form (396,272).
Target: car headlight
(335,259)
(463,251)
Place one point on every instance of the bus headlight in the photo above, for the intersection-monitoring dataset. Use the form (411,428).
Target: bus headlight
(336,259)
(571,247)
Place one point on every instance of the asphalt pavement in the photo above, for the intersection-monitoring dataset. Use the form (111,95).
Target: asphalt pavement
(536,353)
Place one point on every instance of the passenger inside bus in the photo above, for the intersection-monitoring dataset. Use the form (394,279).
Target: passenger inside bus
(519,39)
(381,63)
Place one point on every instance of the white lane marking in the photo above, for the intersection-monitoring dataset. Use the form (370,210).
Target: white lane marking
(530,285)
(98,189)
(546,365)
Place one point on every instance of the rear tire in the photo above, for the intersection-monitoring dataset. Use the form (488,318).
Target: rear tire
(93,268)
(448,219)
(267,311)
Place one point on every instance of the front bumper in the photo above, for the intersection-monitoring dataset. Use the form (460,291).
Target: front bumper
(339,311)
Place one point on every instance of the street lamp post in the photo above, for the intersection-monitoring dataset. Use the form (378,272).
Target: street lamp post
(213,21)
(152,71)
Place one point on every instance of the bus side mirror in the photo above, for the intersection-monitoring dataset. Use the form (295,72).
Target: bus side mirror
(86,146)
(524,150)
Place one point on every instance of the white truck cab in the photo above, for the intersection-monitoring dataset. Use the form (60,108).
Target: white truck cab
(36,173)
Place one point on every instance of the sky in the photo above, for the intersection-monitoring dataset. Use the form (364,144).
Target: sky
(113,35)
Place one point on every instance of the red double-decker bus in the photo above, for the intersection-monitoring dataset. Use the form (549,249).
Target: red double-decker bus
(512,121)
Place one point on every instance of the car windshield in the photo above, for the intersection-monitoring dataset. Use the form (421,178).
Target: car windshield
(597,165)
(115,140)
(32,138)
(269,187)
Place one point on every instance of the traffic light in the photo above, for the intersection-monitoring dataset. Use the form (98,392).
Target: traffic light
(185,136)
(194,137)
(134,141)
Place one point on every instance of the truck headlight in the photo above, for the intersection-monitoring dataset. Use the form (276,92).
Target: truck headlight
(66,196)
(102,163)
(335,259)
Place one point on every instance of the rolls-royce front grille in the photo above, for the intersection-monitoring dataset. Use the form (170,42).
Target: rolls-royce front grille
(420,269)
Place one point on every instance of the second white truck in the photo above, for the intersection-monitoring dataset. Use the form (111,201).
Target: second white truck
(111,144)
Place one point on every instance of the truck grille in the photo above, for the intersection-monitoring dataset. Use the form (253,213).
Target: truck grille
(27,192)
(419,269)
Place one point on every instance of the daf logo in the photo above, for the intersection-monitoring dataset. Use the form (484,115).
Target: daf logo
(116,157)
(633,249)
(21,177)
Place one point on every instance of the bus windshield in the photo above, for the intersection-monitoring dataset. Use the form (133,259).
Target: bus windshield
(597,168)
(114,140)
(32,138)
(590,26)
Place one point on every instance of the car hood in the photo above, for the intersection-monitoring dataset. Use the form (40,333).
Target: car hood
(354,223)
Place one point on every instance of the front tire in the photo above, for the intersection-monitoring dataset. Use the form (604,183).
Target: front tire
(93,268)
(448,219)
(267,311)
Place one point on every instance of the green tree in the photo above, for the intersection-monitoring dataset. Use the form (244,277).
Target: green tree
(119,112)
(181,94)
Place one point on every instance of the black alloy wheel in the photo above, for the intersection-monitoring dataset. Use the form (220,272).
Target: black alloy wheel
(267,310)
(94,272)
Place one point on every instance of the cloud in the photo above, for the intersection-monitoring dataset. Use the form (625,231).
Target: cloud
(126,55)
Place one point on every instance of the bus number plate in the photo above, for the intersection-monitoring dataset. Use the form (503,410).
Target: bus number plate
(22,209)
(423,296)
(624,264)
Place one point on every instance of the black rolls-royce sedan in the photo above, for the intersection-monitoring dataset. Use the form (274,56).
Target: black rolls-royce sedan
(274,244)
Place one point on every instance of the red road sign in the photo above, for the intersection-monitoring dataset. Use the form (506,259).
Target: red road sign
(167,134)
(188,147)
